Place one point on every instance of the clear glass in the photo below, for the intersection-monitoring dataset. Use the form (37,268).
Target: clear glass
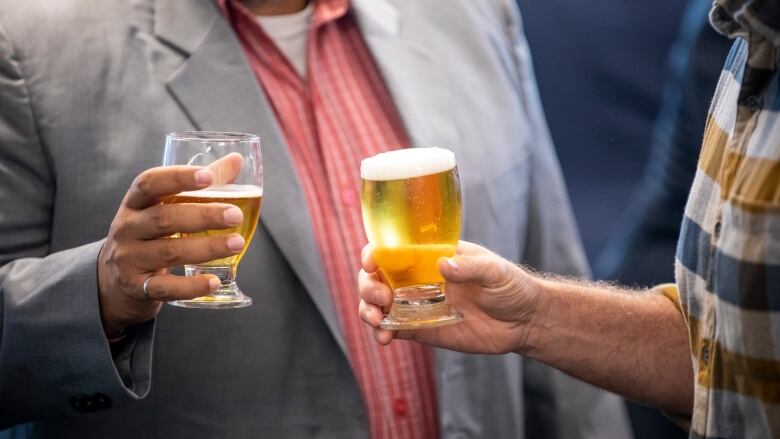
(238,168)
(411,223)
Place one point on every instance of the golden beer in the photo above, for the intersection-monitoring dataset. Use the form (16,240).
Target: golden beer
(412,215)
(248,199)
(245,197)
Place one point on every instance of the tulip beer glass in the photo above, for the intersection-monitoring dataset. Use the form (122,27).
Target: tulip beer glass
(237,165)
(412,213)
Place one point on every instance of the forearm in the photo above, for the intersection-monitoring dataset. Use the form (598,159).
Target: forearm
(632,343)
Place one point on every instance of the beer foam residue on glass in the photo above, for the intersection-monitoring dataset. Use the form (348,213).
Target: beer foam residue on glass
(227,191)
(407,163)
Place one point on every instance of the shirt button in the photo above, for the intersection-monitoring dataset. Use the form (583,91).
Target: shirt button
(88,403)
(716,230)
(705,354)
(753,103)
(102,401)
(400,407)
(348,197)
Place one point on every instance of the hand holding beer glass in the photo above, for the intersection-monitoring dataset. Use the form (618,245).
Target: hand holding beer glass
(412,214)
(235,160)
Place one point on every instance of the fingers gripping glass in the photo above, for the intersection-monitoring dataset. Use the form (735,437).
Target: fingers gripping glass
(412,213)
(236,163)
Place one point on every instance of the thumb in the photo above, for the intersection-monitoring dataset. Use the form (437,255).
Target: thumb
(227,168)
(484,270)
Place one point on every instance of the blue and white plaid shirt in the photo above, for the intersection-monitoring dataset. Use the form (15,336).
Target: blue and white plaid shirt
(728,258)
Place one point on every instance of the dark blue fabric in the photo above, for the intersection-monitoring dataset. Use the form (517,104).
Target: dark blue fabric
(17,432)
(601,67)
(642,249)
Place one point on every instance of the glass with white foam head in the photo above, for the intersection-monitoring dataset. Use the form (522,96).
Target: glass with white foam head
(238,169)
(411,207)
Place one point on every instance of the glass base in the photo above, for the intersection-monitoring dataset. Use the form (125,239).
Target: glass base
(228,295)
(420,306)
(215,301)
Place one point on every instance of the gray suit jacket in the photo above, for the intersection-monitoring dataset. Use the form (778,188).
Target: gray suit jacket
(88,89)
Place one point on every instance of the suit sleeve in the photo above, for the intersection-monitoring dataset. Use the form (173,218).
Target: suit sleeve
(54,357)
(556,405)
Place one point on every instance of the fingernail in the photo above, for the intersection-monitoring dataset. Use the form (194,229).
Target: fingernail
(451,262)
(233,216)
(214,284)
(235,243)
(203,177)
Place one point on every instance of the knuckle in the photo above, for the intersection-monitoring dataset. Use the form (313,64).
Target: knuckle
(210,214)
(169,252)
(107,255)
(494,271)
(184,177)
(121,225)
(143,183)
(200,287)
(218,247)
(161,218)
(125,283)
(382,297)
(119,230)
(201,283)
(371,295)
(120,256)
(156,290)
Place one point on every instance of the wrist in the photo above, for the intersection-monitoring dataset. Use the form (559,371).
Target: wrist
(117,336)
(538,323)
(113,332)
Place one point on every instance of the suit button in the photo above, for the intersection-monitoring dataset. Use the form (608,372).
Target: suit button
(102,401)
(88,403)
(76,404)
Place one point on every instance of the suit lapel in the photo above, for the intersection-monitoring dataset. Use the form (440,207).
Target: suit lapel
(217,90)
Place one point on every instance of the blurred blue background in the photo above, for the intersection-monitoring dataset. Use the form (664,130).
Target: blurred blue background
(601,67)
(626,87)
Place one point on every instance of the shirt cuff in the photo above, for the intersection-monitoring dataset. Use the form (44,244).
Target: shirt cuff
(671,292)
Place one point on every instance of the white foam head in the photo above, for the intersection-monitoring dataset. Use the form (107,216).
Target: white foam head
(406,163)
(227,191)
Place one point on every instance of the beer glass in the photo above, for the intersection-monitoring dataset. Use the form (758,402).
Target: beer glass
(238,169)
(412,213)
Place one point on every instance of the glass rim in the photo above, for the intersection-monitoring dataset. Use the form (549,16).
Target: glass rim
(212,136)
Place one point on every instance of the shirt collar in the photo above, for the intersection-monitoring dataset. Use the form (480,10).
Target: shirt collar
(329,10)
(325,11)
(740,18)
